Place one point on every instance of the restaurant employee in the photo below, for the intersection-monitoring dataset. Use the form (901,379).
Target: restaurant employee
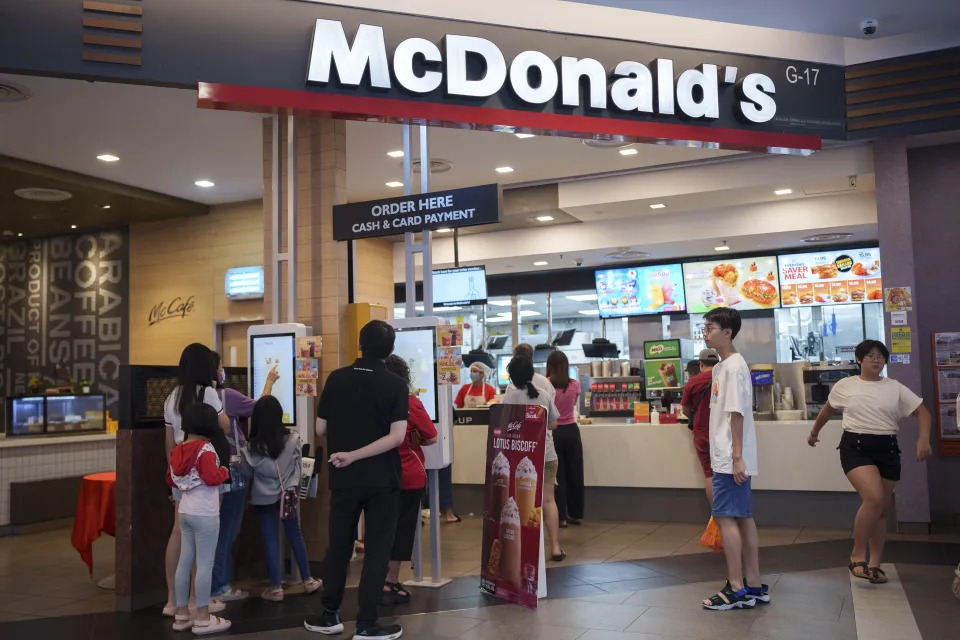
(477,393)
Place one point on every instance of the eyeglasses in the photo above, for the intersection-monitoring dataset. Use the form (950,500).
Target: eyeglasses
(874,358)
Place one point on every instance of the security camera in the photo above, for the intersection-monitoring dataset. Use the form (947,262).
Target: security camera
(869,26)
(579,262)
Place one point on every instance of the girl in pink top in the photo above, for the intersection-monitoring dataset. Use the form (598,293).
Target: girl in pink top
(566,439)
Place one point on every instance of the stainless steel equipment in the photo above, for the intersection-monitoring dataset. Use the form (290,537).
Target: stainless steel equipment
(764,403)
(818,381)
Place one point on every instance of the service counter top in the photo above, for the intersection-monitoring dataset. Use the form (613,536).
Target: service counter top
(45,441)
(617,454)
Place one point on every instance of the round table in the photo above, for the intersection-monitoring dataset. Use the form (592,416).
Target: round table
(96,514)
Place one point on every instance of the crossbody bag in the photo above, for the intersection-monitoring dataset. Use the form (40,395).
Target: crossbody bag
(289,498)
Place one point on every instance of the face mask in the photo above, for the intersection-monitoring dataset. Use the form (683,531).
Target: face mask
(476,376)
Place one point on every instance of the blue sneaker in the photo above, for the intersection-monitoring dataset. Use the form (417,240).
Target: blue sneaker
(760,594)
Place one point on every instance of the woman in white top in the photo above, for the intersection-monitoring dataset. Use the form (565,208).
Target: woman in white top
(872,408)
(523,391)
(196,382)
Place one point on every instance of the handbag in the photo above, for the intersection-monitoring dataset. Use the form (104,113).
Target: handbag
(289,499)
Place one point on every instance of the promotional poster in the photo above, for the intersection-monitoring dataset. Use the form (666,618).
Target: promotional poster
(743,283)
(640,290)
(831,277)
(513,503)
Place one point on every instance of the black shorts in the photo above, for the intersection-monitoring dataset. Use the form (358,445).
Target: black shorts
(407,524)
(880,451)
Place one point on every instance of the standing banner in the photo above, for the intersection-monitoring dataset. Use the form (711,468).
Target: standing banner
(512,560)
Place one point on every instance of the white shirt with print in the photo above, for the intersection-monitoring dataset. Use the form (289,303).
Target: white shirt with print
(731,392)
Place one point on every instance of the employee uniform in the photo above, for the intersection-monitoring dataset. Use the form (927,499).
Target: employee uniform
(871,413)
(359,403)
(569,445)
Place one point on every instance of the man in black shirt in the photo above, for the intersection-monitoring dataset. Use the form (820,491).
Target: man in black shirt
(363,411)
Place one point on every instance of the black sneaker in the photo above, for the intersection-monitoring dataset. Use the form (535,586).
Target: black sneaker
(379,632)
(328,623)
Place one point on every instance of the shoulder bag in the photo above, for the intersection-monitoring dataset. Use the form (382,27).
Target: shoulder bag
(289,500)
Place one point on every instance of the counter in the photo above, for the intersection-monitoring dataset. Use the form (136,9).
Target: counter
(25,460)
(617,454)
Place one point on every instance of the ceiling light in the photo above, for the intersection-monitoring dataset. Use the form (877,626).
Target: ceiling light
(590,312)
(544,218)
(20,235)
(73,226)
(658,206)
(540,263)
(106,157)
(504,169)
(441,229)
(625,253)
(104,206)
(723,247)
(524,136)
(393,184)
(437,310)
(827,237)
(43,194)
(629,151)
(604,141)
(506,303)
(206,184)
(522,314)
(498,319)
(395,154)
(783,192)
(583,297)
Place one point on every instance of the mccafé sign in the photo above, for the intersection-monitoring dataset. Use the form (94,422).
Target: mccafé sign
(471,67)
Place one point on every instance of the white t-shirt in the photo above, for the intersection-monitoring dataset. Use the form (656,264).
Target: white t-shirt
(873,407)
(171,414)
(518,396)
(731,392)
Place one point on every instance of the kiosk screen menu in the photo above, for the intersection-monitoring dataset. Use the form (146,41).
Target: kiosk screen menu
(280,351)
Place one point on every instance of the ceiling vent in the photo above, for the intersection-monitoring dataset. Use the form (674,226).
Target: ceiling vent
(12,92)
(827,237)
(608,142)
(437,165)
(41,194)
(625,253)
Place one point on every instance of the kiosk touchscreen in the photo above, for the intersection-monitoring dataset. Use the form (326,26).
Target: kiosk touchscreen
(417,346)
(278,351)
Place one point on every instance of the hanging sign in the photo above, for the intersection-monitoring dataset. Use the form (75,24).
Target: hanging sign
(465,207)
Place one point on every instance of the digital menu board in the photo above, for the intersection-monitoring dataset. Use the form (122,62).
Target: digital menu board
(463,286)
(845,276)
(633,291)
(741,283)
(275,351)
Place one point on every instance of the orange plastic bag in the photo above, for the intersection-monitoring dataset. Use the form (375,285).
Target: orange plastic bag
(711,536)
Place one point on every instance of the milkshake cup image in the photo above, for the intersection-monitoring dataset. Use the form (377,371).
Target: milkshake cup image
(509,569)
(668,373)
(499,485)
(526,489)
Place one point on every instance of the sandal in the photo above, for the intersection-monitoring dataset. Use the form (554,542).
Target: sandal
(213,625)
(877,576)
(181,623)
(853,566)
(312,585)
(169,611)
(455,520)
(761,594)
(727,599)
(394,594)
(272,594)
(559,557)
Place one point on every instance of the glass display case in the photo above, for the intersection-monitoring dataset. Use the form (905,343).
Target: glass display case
(56,415)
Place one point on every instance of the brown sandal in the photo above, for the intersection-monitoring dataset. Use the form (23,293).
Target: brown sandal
(853,566)
(877,576)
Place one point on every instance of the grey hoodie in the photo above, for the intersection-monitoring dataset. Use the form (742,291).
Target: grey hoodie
(266,484)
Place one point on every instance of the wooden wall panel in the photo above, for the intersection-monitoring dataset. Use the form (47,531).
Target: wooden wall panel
(374,277)
(189,257)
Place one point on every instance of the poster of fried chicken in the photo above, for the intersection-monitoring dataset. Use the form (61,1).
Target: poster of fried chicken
(845,276)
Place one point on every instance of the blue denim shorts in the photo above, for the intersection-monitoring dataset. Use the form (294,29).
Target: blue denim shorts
(731,500)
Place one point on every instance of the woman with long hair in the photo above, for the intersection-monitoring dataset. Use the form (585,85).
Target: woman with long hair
(273,459)
(524,392)
(567,441)
(872,408)
(196,381)
(420,431)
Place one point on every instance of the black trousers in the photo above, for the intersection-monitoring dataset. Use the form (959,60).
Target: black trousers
(381,508)
(569,494)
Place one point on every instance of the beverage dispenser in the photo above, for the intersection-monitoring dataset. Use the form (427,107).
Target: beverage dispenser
(764,405)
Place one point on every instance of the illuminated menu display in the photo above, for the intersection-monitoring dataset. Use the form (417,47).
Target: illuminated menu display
(741,283)
(635,291)
(850,276)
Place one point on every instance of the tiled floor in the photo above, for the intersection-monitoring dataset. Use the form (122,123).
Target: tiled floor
(622,581)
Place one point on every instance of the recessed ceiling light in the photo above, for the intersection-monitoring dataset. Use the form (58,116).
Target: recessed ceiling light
(20,235)
(206,184)
(583,297)
(506,303)
(524,136)
(395,154)
(827,237)
(658,206)
(444,230)
(783,192)
(544,218)
(629,151)
(106,157)
(104,206)
(73,226)
(722,247)
(589,312)
(393,184)
(540,263)
(522,314)
(504,169)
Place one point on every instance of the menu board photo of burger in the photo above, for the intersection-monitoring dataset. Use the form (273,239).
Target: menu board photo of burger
(636,291)
(850,276)
(742,283)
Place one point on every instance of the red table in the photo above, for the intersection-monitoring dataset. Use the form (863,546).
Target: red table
(96,513)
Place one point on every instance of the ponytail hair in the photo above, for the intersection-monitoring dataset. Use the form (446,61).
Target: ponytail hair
(532,392)
(521,375)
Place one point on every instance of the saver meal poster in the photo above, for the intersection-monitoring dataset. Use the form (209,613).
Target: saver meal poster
(640,290)
(513,503)
(743,283)
(849,276)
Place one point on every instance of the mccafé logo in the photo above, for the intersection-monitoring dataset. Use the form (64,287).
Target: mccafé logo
(178,308)
(420,67)
(514,426)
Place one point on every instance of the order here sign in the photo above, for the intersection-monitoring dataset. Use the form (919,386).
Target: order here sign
(426,211)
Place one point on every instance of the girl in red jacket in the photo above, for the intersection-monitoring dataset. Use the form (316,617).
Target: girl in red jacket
(195,469)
